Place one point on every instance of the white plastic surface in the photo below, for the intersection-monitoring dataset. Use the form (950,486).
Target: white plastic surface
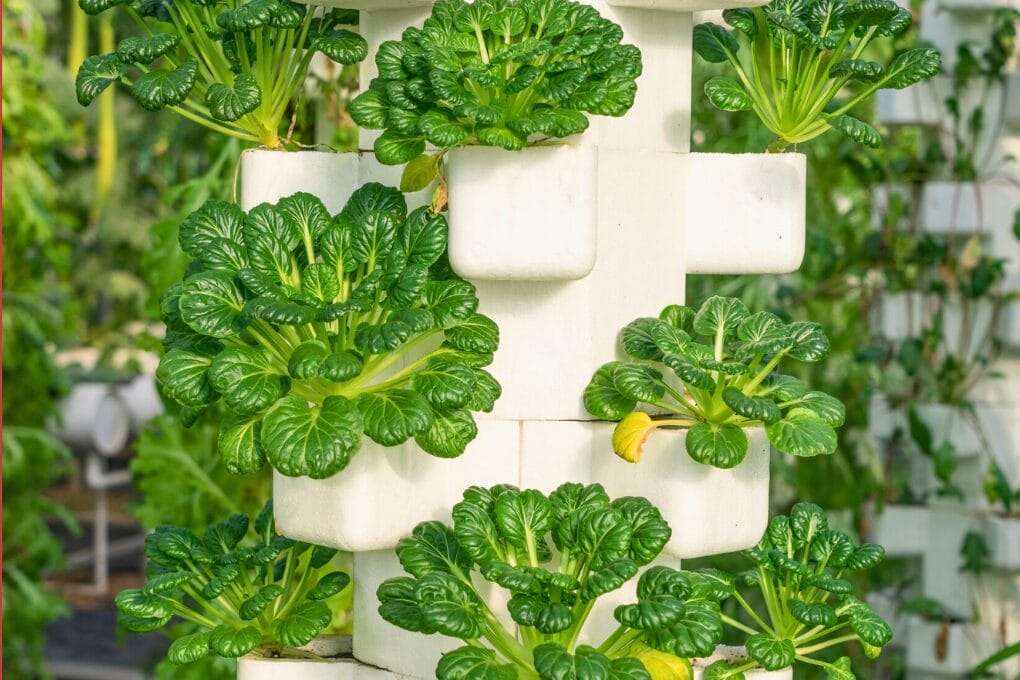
(710,510)
(950,649)
(386,491)
(257,668)
(941,576)
(686,5)
(523,215)
(93,418)
(744,213)
(730,653)
(1003,535)
(268,176)
(554,335)
(902,529)
(141,399)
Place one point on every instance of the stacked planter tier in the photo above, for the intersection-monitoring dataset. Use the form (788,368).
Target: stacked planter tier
(986,208)
(622,212)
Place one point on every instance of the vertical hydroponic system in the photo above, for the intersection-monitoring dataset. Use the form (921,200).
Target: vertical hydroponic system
(964,530)
(565,244)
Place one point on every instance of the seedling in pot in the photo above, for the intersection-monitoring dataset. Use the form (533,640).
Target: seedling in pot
(235,68)
(713,371)
(244,587)
(794,57)
(809,607)
(496,73)
(556,555)
(315,330)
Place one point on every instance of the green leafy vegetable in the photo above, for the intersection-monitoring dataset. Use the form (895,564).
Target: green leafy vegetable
(507,536)
(793,59)
(723,358)
(798,568)
(316,330)
(494,73)
(234,68)
(242,586)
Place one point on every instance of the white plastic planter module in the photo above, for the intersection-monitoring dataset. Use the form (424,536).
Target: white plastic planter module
(902,529)
(744,213)
(728,653)
(254,667)
(1003,534)
(940,572)
(947,649)
(267,176)
(93,418)
(386,491)
(686,5)
(710,510)
(141,399)
(948,423)
(523,215)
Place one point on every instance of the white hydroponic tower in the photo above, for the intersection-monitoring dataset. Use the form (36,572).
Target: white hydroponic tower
(985,610)
(627,211)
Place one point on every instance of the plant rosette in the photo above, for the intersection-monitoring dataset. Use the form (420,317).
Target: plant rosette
(494,73)
(799,570)
(793,58)
(233,67)
(555,555)
(721,362)
(315,330)
(242,585)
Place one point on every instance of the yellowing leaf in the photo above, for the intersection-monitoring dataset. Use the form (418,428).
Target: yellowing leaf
(630,435)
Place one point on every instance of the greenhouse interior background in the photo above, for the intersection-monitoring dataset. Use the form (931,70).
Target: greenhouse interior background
(192,329)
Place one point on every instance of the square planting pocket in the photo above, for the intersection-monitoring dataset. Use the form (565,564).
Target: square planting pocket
(711,510)
(526,215)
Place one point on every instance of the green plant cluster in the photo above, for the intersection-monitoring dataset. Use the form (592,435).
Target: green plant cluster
(316,329)
(722,361)
(244,586)
(794,57)
(508,538)
(799,569)
(232,67)
(494,73)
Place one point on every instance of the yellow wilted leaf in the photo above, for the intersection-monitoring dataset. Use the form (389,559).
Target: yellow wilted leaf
(630,435)
(664,666)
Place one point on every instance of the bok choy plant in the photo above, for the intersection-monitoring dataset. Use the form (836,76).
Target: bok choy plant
(494,73)
(508,537)
(241,584)
(314,330)
(809,607)
(234,67)
(794,57)
(721,362)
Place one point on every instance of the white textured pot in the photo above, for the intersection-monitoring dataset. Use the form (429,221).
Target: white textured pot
(730,653)
(141,399)
(948,423)
(525,215)
(255,667)
(947,649)
(940,571)
(710,510)
(902,529)
(93,418)
(267,176)
(1003,535)
(744,213)
(386,491)
(966,207)
(686,5)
